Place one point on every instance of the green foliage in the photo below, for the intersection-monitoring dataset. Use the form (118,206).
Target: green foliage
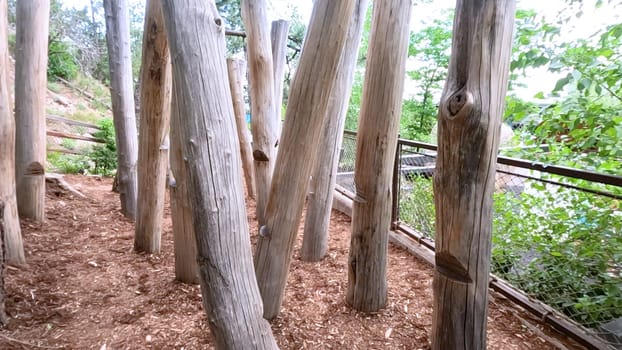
(564,247)
(61,61)
(417,204)
(67,163)
(354,107)
(104,156)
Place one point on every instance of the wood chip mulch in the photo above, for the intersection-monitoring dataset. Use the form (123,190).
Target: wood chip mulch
(85,288)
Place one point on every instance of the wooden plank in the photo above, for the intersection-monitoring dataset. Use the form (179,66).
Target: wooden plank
(74,136)
(63,150)
(58,118)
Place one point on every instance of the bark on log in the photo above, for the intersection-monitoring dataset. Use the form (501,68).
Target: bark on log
(322,185)
(230,294)
(12,231)
(237,70)
(469,116)
(153,144)
(186,267)
(3,316)
(122,94)
(381,108)
(278,36)
(263,107)
(32,19)
(306,110)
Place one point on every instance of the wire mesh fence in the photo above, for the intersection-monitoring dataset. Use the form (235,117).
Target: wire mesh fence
(556,238)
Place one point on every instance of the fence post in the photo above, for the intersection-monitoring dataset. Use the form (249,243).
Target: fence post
(395,188)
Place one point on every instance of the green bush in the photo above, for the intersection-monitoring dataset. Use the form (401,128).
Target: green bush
(417,204)
(61,61)
(68,163)
(104,156)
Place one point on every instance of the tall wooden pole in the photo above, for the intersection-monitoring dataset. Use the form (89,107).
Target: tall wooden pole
(14,246)
(237,69)
(320,197)
(153,145)
(31,47)
(469,117)
(122,93)
(381,108)
(263,107)
(305,114)
(186,267)
(278,36)
(203,101)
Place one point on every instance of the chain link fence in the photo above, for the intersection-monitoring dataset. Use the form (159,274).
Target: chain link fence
(556,238)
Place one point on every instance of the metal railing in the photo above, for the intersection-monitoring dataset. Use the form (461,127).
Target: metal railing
(557,231)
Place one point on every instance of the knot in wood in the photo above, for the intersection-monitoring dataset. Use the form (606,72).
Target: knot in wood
(449,266)
(263,231)
(460,103)
(260,156)
(34,168)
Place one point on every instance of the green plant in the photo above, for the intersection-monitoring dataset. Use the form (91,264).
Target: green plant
(104,156)
(68,143)
(61,61)
(67,163)
(416,204)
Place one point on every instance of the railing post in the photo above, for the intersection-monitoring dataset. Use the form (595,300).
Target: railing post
(395,188)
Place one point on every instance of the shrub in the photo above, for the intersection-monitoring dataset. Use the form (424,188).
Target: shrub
(104,156)
(61,61)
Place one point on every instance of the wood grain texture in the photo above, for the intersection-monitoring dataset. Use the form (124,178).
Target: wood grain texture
(469,116)
(264,127)
(31,47)
(122,94)
(237,70)
(202,98)
(13,243)
(308,101)
(381,108)
(322,183)
(278,38)
(153,145)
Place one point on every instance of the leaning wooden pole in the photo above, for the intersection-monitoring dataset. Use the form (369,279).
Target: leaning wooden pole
(13,244)
(263,108)
(278,36)
(320,197)
(153,145)
(469,117)
(381,108)
(203,101)
(122,94)
(31,47)
(237,69)
(305,114)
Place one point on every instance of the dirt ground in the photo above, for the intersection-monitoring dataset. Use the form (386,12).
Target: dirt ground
(84,288)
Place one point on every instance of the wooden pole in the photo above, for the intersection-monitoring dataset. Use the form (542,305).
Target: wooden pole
(381,108)
(263,108)
(278,35)
(322,185)
(31,46)
(153,144)
(469,116)
(237,69)
(122,94)
(186,267)
(13,244)
(203,102)
(305,114)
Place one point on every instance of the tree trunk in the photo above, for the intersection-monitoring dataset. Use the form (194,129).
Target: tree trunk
(122,93)
(278,36)
(469,116)
(3,317)
(306,110)
(211,155)
(263,106)
(186,268)
(320,197)
(31,47)
(237,70)
(153,143)
(12,231)
(381,108)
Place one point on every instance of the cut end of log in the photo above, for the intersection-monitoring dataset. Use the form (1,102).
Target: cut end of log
(260,156)
(448,266)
